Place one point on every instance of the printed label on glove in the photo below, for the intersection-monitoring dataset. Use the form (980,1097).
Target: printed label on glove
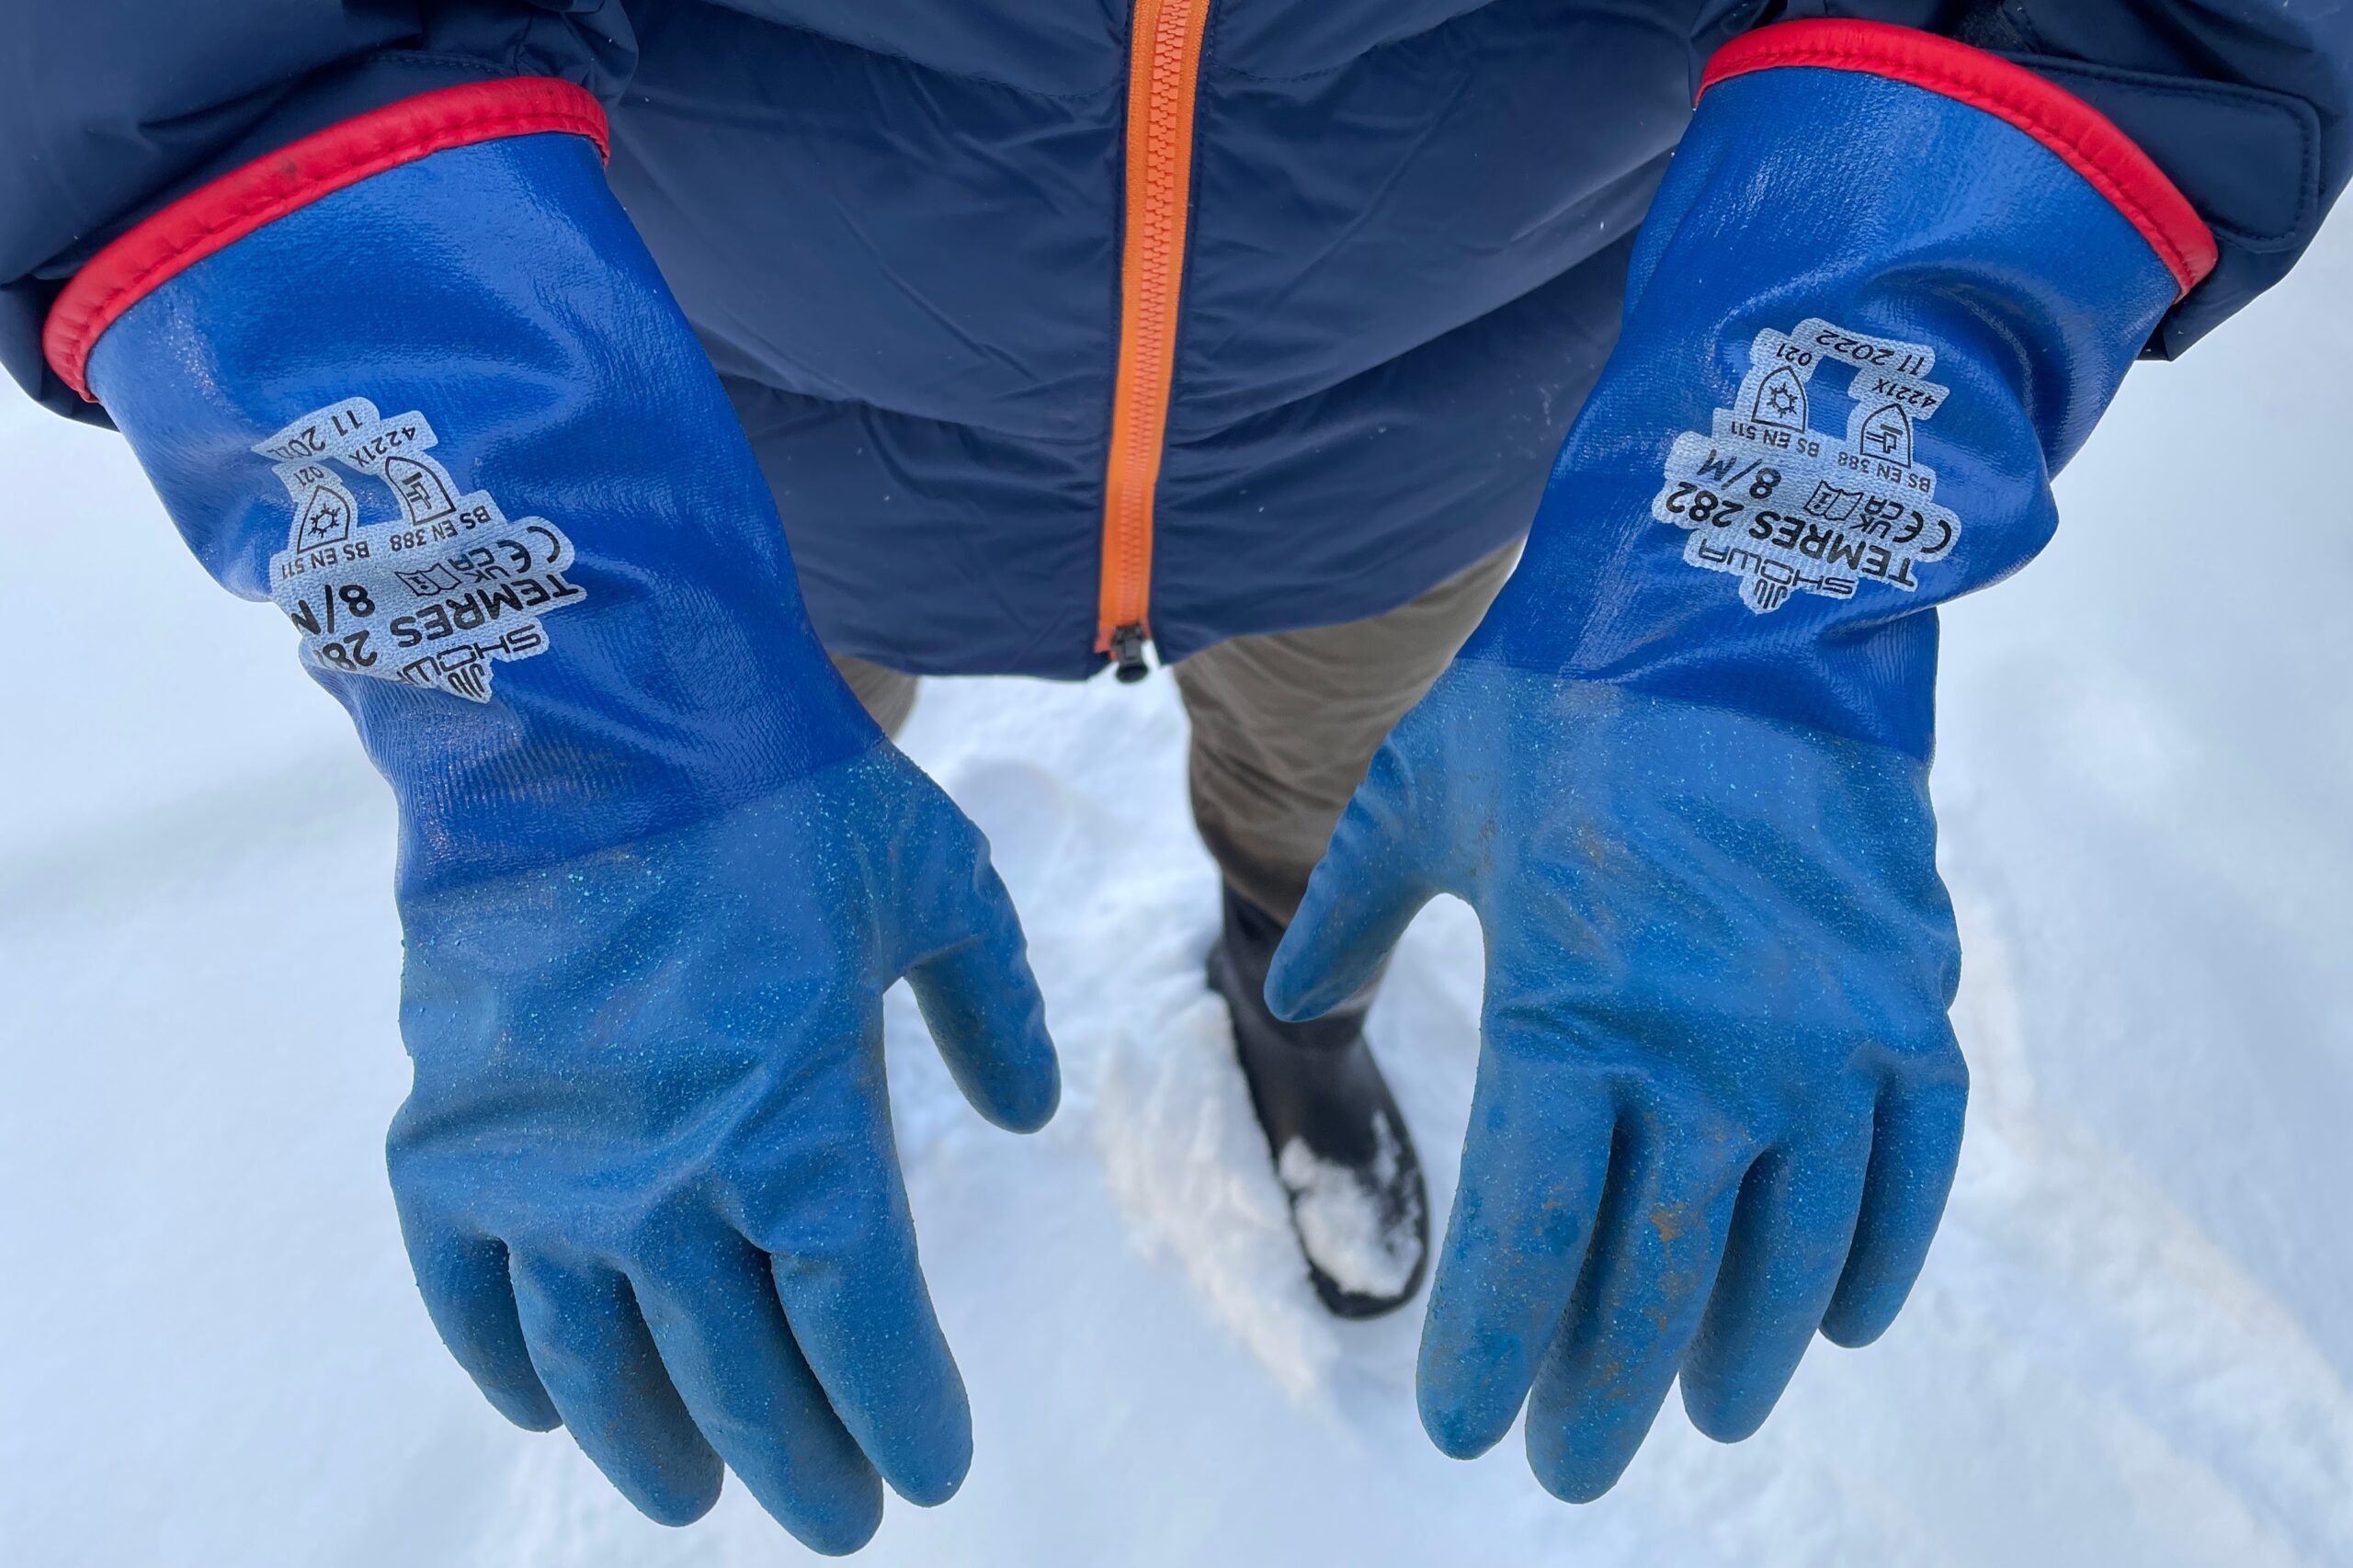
(1787,508)
(433,599)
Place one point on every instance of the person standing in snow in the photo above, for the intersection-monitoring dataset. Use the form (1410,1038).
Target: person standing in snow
(628,400)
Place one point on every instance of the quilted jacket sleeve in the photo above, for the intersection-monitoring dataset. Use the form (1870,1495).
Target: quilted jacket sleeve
(109,109)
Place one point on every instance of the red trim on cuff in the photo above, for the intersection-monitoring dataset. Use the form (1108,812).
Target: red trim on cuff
(2087,140)
(217,215)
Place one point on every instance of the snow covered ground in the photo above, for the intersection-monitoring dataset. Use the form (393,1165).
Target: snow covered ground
(2132,1344)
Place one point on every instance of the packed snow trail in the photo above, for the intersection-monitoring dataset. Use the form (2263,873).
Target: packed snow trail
(2133,1343)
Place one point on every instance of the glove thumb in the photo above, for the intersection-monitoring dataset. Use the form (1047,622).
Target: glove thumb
(977,994)
(1365,891)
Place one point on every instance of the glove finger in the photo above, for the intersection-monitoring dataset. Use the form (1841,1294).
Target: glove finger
(844,1262)
(1362,895)
(471,1302)
(981,1002)
(1672,1182)
(723,1337)
(600,1366)
(1533,1163)
(1791,1231)
(1916,1142)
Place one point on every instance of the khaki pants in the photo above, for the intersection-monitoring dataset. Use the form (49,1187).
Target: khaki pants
(1285,723)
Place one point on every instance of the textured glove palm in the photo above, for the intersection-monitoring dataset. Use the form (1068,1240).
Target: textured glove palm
(646,1172)
(1718,1100)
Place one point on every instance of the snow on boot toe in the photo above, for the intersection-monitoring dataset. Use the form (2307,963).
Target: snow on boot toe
(1366,1239)
(1338,1140)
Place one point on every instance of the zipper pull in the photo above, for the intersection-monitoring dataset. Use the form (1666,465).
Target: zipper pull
(1127,647)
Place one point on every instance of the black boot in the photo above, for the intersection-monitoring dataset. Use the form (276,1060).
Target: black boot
(1339,1145)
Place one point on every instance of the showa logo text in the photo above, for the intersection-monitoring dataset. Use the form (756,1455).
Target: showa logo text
(1786,509)
(431,599)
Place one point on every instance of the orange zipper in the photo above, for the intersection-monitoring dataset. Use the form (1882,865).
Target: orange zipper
(1164,61)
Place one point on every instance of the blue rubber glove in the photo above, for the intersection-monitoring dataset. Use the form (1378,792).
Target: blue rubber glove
(1681,770)
(415,380)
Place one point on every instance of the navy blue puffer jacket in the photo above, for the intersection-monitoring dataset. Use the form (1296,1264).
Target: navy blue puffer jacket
(1057,321)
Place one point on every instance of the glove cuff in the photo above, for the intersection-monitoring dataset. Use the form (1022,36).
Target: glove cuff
(217,215)
(2083,137)
(1889,284)
(415,380)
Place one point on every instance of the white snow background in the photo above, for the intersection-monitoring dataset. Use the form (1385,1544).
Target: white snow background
(2132,1345)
